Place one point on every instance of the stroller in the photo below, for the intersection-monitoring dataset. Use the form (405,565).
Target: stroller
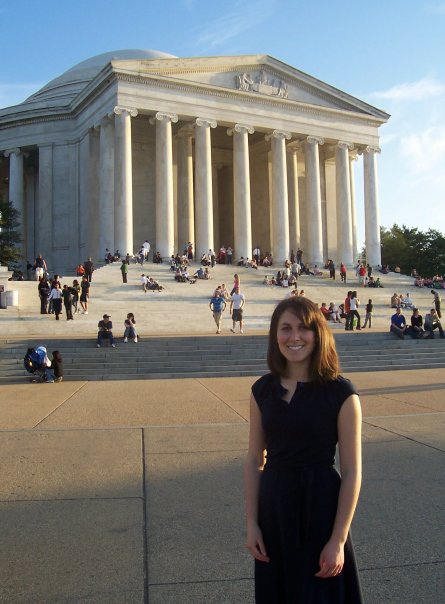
(36,362)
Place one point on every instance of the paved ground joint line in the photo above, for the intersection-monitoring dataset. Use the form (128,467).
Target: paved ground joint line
(418,442)
(222,400)
(202,581)
(407,565)
(58,406)
(144,517)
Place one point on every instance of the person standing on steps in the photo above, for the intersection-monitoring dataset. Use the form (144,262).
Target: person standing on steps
(124,271)
(368,317)
(217,306)
(56,297)
(354,304)
(84,294)
(89,268)
(298,508)
(68,302)
(236,309)
(437,302)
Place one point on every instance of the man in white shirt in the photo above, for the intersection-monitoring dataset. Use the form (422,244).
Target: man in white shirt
(146,247)
(236,309)
(144,282)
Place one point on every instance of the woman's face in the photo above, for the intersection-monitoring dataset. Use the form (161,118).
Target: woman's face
(296,342)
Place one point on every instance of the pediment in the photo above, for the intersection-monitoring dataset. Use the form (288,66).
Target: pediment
(257,75)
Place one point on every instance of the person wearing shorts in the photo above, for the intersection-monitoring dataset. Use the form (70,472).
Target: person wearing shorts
(236,309)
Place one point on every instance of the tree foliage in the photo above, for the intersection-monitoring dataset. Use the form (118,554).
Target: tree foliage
(410,248)
(9,234)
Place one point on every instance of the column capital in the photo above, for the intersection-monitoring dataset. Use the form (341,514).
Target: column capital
(279,134)
(206,123)
(15,151)
(370,149)
(345,145)
(294,146)
(186,131)
(119,110)
(241,129)
(315,140)
(104,121)
(160,117)
(353,154)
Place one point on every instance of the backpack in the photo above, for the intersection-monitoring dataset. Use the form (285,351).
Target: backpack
(32,361)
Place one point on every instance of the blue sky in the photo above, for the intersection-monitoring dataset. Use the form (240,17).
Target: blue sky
(390,55)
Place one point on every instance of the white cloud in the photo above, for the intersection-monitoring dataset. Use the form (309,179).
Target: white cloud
(239,20)
(424,152)
(421,90)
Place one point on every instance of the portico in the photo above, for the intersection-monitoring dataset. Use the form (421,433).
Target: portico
(238,151)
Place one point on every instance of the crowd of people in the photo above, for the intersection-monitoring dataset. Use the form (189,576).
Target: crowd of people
(73,297)
(418,326)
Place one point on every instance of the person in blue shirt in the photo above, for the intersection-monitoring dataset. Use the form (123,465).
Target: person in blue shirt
(217,306)
(398,324)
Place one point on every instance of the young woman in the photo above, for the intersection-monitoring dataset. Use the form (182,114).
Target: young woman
(130,328)
(55,372)
(298,508)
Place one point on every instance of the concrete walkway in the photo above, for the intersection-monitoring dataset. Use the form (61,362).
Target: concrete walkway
(125,492)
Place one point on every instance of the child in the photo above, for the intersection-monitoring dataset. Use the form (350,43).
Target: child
(130,329)
(368,314)
(55,372)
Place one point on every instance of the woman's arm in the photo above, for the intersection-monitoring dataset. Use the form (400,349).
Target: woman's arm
(252,473)
(349,441)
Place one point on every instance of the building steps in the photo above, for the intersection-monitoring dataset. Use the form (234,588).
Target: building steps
(211,356)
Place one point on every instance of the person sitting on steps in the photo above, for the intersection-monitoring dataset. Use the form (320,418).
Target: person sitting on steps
(105,331)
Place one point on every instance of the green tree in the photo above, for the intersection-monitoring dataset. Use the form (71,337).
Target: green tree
(411,248)
(9,234)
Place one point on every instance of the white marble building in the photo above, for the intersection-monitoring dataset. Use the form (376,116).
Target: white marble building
(242,151)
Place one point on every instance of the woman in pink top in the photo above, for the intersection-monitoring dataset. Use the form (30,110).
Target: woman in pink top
(236,283)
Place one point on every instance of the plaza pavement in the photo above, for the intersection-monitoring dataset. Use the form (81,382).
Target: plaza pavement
(131,491)
(126,492)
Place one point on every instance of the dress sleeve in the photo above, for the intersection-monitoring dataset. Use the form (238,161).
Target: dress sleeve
(261,387)
(344,390)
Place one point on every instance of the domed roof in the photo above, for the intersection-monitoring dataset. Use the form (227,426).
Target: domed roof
(74,80)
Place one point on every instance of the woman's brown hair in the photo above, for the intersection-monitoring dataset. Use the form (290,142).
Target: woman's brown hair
(324,365)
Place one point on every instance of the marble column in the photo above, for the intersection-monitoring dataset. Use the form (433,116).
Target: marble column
(123,186)
(44,214)
(17,192)
(241,190)
(314,252)
(280,204)
(372,220)
(203,184)
(186,214)
(352,159)
(343,194)
(165,221)
(105,215)
(294,199)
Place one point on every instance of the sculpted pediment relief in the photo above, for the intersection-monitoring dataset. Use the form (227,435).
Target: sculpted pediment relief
(260,75)
(263,83)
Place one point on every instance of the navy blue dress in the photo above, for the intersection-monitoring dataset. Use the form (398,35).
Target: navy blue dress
(299,493)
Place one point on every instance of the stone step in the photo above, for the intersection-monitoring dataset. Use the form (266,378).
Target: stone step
(195,356)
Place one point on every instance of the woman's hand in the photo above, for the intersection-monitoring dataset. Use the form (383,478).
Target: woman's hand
(255,543)
(332,559)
